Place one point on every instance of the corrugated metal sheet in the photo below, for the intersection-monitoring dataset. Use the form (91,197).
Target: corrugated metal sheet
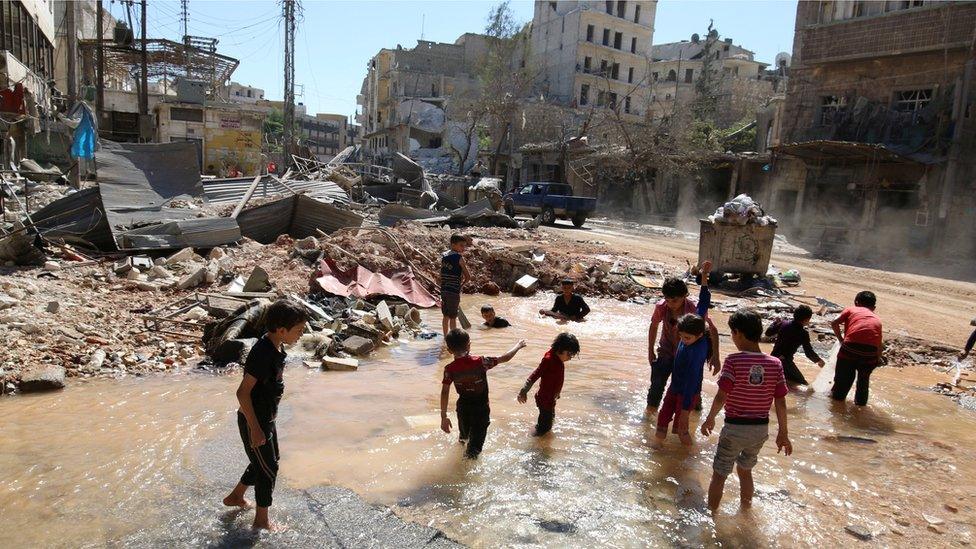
(312,214)
(219,191)
(206,232)
(78,215)
(266,222)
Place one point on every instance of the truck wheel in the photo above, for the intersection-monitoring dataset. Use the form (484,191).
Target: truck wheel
(579,219)
(548,216)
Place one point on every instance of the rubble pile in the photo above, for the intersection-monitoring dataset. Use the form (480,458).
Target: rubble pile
(496,260)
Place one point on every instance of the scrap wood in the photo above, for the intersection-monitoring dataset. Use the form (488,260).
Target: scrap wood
(246,197)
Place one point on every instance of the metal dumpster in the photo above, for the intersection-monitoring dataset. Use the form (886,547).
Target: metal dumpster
(741,249)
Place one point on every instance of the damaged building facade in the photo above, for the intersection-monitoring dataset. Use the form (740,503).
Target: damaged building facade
(406,103)
(589,54)
(876,135)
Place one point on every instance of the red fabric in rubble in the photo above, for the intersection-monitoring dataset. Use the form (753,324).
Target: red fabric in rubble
(362,283)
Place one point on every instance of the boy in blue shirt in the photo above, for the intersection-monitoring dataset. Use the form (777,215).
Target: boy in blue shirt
(454,274)
(689,367)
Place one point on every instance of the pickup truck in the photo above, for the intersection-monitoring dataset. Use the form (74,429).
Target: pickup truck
(551,200)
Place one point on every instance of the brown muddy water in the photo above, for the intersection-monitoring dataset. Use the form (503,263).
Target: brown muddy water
(106,462)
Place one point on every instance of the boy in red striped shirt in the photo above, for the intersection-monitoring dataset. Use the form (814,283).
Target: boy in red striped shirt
(750,382)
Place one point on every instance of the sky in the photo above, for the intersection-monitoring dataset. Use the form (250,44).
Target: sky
(336,39)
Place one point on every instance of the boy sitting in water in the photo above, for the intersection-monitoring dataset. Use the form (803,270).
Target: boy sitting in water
(750,382)
(259,394)
(491,320)
(469,374)
(551,371)
(689,367)
(789,338)
(568,305)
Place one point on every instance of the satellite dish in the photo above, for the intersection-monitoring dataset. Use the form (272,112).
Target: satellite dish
(783,59)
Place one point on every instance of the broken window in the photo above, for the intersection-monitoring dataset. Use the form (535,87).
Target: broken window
(637,13)
(654,76)
(633,45)
(552,5)
(587,62)
(606,37)
(610,7)
(621,9)
(613,101)
(689,76)
(589,33)
(584,94)
(630,75)
(829,105)
(618,39)
(601,98)
(912,101)
(627,104)
(603,67)
(672,76)
(615,72)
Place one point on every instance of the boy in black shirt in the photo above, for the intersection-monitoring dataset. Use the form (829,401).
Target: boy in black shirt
(568,306)
(491,320)
(258,395)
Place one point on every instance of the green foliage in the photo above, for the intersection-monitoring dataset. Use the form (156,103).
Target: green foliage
(274,124)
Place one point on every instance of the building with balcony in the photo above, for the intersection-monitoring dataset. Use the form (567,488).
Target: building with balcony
(876,134)
(240,93)
(739,82)
(588,54)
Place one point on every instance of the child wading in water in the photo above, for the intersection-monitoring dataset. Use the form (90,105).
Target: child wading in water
(259,394)
(469,374)
(689,367)
(454,273)
(750,382)
(789,338)
(551,371)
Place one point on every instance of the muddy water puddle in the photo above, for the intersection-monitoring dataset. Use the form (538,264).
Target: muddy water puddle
(102,461)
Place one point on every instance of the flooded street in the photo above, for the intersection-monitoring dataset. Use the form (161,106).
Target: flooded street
(146,460)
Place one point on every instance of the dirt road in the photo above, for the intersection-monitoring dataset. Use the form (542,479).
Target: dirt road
(921,306)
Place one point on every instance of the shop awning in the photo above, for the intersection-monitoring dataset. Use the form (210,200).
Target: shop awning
(851,152)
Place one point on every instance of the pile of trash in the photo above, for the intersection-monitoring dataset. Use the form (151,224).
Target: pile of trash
(741,210)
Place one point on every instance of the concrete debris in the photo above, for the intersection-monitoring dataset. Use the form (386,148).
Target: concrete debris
(859,531)
(182,256)
(194,279)
(48,378)
(340,364)
(358,345)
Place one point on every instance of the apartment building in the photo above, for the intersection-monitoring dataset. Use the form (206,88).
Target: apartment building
(27,38)
(593,53)
(740,83)
(877,129)
(240,93)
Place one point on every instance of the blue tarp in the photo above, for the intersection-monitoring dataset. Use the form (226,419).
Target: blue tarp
(85,138)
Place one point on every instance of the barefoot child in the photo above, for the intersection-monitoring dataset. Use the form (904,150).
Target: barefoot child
(789,338)
(750,382)
(491,319)
(666,314)
(860,350)
(689,367)
(568,305)
(551,371)
(258,395)
(469,374)
(454,273)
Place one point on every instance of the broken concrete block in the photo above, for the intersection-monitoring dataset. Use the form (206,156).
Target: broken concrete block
(307,243)
(122,266)
(133,274)
(196,313)
(182,256)
(216,254)
(363,329)
(7,302)
(157,272)
(401,310)
(258,281)
(358,345)
(147,286)
(384,316)
(52,266)
(337,364)
(213,271)
(53,307)
(194,279)
(525,285)
(42,379)
(521,248)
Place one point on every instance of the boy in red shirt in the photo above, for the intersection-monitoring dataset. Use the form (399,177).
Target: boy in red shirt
(551,370)
(860,350)
(469,374)
(750,382)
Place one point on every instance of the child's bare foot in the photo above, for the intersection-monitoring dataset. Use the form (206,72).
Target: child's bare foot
(685,438)
(650,412)
(269,526)
(234,500)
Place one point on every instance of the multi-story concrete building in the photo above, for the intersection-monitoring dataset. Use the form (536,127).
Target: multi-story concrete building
(877,128)
(324,134)
(740,83)
(240,93)
(593,53)
(405,95)
(27,47)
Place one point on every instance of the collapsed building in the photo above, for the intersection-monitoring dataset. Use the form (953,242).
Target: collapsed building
(873,144)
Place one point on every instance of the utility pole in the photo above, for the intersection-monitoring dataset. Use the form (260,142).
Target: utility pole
(289,114)
(72,31)
(144,98)
(185,19)
(100,69)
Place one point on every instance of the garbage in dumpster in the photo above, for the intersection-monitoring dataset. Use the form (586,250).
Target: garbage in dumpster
(740,211)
